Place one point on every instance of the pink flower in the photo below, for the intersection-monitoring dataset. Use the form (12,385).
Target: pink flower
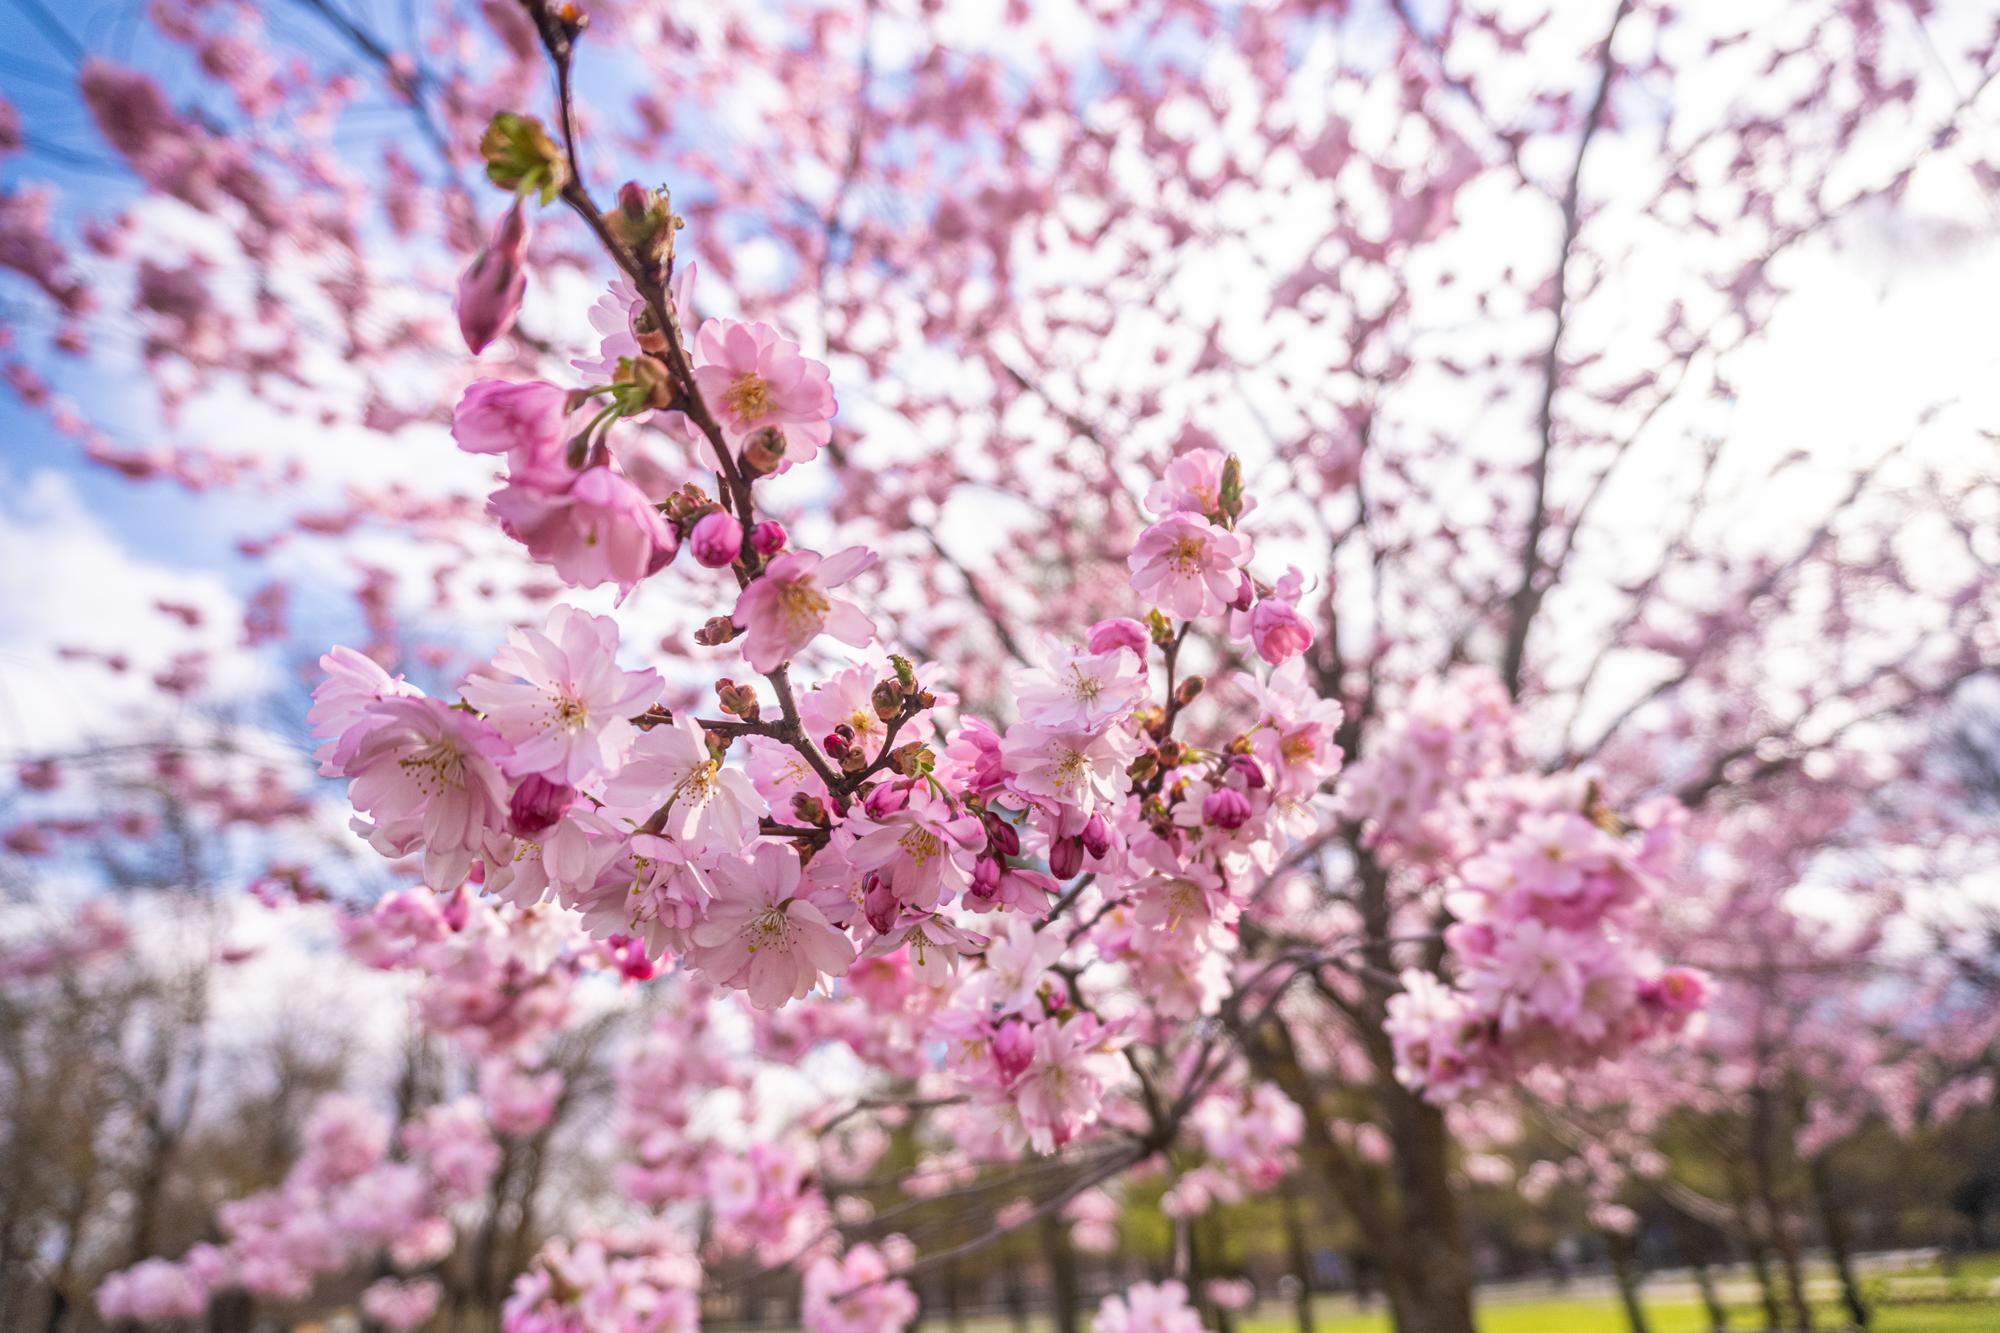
(1120,632)
(559,698)
(653,892)
(717,539)
(352,683)
(1076,769)
(788,606)
(849,1295)
(760,938)
(429,777)
(526,422)
(708,806)
(1226,808)
(1079,691)
(923,852)
(1279,631)
(490,289)
(751,377)
(1187,566)
(601,529)
(401,1305)
(1148,1308)
(152,1291)
(1192,484)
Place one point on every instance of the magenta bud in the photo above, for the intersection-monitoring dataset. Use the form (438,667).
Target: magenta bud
(537,804)
(886,800)
(457,909)
(880,906)
(717,540)
(665,549)
(1013,1049)
(490,289)
(1096,836)
(1251,771)
(985,877)
(768,537)
(1226,808)
(1002,837)
(1066,857)
(1246,593)
(1120,632)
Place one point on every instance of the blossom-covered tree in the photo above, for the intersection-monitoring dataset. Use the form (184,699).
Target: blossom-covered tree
(1187,593)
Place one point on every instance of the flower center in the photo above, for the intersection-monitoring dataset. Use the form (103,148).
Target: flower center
(1085,688)
(436,768)
(921,844)
(1070,769)
(748,397)
(802,605)
(572,713)
(1185,554)
(770,929)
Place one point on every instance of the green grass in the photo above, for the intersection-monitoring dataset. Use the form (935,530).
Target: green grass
(1604,1316)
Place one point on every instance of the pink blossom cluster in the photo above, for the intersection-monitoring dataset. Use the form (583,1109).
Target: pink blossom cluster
(493,979)
(1542,881)
(639,1283)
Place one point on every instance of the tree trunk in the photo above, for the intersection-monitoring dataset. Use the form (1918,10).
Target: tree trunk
(1625,1269)
(1062,1273)
(1300,1254)
(1838,1243)
(1427,1262)
(1718,1313)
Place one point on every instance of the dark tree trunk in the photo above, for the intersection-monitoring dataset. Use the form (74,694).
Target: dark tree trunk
(1062,1273)
(1625,1269)
(1834,1221)
(1718,1313)
(1299,1253)
(1427,1262)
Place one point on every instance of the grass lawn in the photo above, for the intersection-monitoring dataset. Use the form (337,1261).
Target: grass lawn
(1604,1316)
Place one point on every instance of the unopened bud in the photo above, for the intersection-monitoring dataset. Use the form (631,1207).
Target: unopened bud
(1066,857)
(1189,690)
(1002,837)
(808,809)
(717,629)
(888,700)
(717,539)
(1145,766)
(768,537)
(521,157)
(490,289)
(764,451)
(835,744)
(854,760)
(1096,837)
(1230,493)
(912,760)
(643,223)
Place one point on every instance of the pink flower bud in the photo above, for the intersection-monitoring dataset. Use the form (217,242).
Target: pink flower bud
(1119,632)
(1066,857)
(1250,770)
(1226,808)
(880,906)
(1245,592)
(457,909)
(1013,1049)
(1096,837)
(717,540)
(1279,631)
(985,878)
(886,800)
(537,804)
(768,537)
(490,289)
(1001,836)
